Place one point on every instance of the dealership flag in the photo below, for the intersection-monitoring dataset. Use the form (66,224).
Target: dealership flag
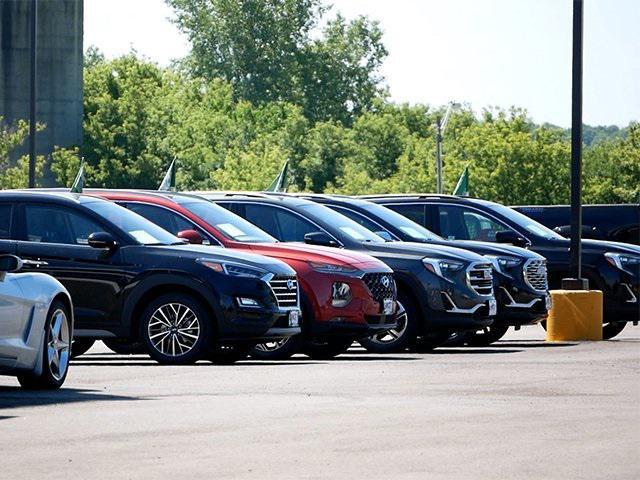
(78,183)
(462,188)
(280,183)
(169,181)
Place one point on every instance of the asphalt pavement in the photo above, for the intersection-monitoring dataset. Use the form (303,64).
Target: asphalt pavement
(520,409)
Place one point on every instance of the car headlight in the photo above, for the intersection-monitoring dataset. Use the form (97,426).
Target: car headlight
(340,294)
(233,269)
(332,268)
(502,264)
(442,268)
(623,261)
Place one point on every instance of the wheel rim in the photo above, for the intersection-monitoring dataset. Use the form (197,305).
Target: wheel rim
(271,346)
(174,329)
(58,342)
(389,336)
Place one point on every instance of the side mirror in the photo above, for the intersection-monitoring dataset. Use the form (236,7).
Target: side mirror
(384,234)
(319,238)
(10,263)
(509,236)
(102,240)
(191,236)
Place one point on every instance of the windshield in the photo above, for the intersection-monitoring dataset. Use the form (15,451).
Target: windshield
(525,222)
(229,224)
(345,225)
(141,229)
(408,227)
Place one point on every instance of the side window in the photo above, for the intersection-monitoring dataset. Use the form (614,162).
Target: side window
(459,223)
(262,216)
(413,211)
(5,222)
(170,221)
(292,227)
(52,224)
(359,218)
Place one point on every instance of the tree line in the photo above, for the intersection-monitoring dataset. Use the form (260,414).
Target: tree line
(259,88)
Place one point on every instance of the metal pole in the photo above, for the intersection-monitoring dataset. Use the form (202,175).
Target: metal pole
(439,156)
(32,95)
(575,250)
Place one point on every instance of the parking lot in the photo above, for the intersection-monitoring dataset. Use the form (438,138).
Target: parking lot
(520,409)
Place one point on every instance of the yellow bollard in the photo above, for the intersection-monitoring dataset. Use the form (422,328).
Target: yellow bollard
(575,315)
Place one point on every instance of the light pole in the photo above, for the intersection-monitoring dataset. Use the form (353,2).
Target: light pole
(441,124)
(32,93)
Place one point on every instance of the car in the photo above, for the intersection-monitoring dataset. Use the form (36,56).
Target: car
(36,326)
(444,290)
(615,223)
(613,268)
(132,281)
(521,275)
(345,295)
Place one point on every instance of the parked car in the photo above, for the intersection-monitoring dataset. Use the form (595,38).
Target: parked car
(520,274)
(444,290)
(345,295)
(131,280)
(616,223)
(36,325)
(611,267)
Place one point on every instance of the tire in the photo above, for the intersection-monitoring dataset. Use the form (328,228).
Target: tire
(176,329)
(399,339)
(327,349)
(124,347)
(56,351)
(486,336)
(230,354)
(282,349)
(429,343)
(611,329)
(80,346)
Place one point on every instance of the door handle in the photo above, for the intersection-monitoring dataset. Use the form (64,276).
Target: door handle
(35,263)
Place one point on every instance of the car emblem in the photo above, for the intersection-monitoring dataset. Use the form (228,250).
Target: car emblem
(385,281)
(487,273)
(291,284)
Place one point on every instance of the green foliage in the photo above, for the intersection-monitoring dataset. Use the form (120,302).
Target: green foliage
(16,175)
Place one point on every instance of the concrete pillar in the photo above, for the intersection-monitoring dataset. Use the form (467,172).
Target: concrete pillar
(59,84)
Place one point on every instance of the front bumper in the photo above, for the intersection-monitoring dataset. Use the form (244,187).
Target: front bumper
(521,307)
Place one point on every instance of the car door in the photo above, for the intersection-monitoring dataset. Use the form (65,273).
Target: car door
(57,235)
(7,243)
(12,319)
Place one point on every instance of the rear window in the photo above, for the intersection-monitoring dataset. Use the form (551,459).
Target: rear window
(5,221)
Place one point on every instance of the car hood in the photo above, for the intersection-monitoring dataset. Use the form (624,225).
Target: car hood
(305,252)
(420,250)
(219,254)
(497,249)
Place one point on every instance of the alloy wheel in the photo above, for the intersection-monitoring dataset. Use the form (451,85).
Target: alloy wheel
(392,335)
(174,329)
(58,343)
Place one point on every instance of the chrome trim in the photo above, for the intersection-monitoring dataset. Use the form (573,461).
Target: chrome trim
(297,292)
(472,266)
(527,264)
(633,299)
(455,308)
(514,304)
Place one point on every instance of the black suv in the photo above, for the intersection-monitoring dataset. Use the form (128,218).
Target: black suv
(444,290)
(611,267)
(131,281)
(520,274)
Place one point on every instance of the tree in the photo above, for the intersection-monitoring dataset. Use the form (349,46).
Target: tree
(11,137)
(266,50)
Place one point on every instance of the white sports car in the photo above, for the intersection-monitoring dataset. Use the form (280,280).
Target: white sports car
(36,326)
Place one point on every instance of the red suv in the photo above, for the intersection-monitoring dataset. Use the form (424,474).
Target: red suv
(345,295)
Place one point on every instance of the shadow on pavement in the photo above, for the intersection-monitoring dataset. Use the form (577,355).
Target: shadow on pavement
(465,350)
(15,397)
(533,344)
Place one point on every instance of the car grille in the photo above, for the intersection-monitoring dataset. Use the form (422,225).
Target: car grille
(286,291)
(535,274)
(379,288)
(480,278)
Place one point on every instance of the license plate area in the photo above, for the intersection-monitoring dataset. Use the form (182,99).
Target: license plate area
(294,318)
(493,307)
(388,306)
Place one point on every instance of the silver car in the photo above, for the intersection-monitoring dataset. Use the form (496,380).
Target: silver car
(36,326)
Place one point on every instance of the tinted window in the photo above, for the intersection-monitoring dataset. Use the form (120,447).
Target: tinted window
(5,221)
(53,224)
(459,223)
(170,221)
(282,224)
(359,218)
(412,211)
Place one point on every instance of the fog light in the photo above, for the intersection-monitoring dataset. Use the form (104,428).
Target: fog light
(340,294)
(247,302)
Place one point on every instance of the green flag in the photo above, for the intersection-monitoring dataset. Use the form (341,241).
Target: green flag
(280,184)
(462,188)
(78,183)
(169,181)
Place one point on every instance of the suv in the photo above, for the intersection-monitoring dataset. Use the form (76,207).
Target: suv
(613,268)
(444,290)
(521,275)
(345,295)
(130,279)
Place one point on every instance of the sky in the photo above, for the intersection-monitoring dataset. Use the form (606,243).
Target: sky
(481,52)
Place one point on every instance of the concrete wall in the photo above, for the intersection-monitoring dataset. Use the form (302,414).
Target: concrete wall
(59,85)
